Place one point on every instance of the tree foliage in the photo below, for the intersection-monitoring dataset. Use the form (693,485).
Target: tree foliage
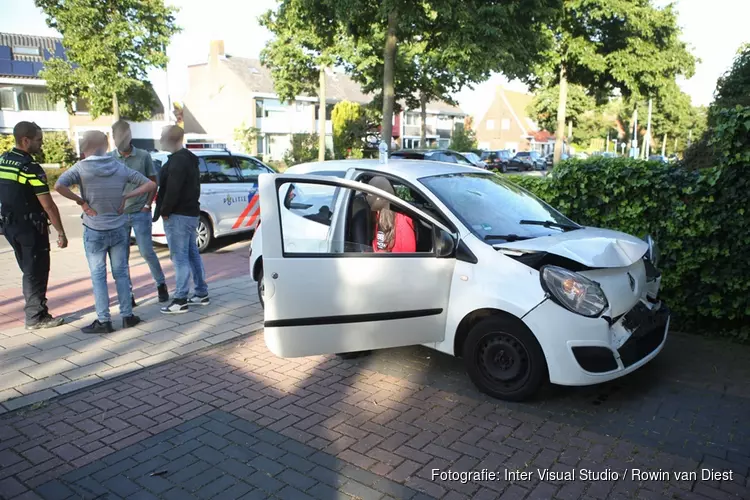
(463,139)
(398,49)
(733,88)
(350,128)
(544,106)
(110,47)
(246,137)
(628,46)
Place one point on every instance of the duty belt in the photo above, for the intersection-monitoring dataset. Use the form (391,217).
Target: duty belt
(38,220)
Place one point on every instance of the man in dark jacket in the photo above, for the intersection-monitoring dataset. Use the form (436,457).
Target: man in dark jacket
(178,205)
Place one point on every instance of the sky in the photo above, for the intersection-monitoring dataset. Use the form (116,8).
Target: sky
(714,30)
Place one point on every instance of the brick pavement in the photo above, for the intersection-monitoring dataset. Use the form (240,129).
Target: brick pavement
(35,366)
(233,421)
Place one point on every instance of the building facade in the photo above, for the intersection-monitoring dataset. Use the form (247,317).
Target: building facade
(226,93)
(506,125)
(24,95)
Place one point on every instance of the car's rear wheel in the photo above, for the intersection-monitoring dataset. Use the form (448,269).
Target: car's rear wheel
(504,360)
(261,289)
(504,168)
(204,234)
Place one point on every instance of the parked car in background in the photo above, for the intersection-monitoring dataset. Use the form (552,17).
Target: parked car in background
(583,307)
(659,158)
(528,160)
(549,159)
(496,160)
(609,154)
(444,155)
(228,200)
(475,160)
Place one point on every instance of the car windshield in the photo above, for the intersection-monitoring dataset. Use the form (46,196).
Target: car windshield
(523,154)
(489,205)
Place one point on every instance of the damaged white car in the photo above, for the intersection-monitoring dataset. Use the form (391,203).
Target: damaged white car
(496,276)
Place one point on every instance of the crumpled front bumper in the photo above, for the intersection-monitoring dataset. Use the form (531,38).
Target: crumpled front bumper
(585,351)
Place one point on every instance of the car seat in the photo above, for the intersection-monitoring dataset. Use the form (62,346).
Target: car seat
(361,227)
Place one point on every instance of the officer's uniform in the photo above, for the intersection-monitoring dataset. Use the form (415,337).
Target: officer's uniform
(26,227)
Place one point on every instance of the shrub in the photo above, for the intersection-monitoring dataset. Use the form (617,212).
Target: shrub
(304,148)
(7,142)
(699,218)
(57,148)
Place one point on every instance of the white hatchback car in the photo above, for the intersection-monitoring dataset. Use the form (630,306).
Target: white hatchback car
(228,201)
(519,291)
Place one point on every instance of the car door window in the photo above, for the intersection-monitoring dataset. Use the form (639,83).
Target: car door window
(406,233)
(250,169)
(461,160)
(219,170)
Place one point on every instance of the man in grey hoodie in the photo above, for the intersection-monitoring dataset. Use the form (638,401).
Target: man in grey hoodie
(102,181)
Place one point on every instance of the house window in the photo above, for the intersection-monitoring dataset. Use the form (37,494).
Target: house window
(329,110)
(26,51)
(82,106)
(490,124)
(7,99)
(259,108)
(35,99)
(412,119)
(505,124)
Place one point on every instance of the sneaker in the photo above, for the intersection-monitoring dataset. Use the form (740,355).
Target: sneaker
(178,306)
(163,293)
(98,327)
(130,321)
(132,301)
(46,322)
(197,300)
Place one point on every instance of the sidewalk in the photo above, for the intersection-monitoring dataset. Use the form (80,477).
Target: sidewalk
(36,366)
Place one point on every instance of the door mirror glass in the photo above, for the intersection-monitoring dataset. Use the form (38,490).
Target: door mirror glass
(445,245)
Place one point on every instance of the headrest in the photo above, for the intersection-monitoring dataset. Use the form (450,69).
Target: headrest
(377,203)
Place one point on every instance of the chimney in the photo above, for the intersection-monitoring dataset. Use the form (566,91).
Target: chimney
(216,52)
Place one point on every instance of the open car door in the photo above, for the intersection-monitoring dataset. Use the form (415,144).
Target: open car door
(330,296)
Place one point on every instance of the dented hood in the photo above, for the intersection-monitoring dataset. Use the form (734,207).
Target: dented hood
(591,247)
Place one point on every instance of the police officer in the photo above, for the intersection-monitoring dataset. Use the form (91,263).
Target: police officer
(27,206)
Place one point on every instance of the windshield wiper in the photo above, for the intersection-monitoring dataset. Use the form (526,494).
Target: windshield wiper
(550,223)
(506,237)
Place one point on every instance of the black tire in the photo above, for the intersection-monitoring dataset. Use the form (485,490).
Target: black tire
(504,168)
(261,289)
(504,360)
(205,234)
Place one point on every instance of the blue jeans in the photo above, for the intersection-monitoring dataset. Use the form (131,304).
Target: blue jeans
(181,233)
(141,223)
(99,244)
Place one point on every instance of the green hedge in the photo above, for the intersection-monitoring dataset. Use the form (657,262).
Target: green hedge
(699,218)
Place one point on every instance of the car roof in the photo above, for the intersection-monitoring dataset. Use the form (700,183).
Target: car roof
(207,152)
(407,169)
(423,151)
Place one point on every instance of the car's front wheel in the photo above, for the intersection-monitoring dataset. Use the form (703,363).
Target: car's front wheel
(504,168)
(204,235)
(504,360)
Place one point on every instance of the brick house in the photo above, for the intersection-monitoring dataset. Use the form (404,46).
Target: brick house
(506,125)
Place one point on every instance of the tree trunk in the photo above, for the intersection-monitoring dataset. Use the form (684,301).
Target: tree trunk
(389,95)
(423,117)
(560,133)
(322,117)
(115,107)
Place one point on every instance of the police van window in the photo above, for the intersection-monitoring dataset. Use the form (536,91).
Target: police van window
(219,170)
(250,169)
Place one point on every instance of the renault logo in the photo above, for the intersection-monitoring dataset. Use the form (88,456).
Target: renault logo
(632,282)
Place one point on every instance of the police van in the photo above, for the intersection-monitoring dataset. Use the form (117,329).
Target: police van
(228,201)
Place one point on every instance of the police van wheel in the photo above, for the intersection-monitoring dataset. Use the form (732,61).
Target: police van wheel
(204,235)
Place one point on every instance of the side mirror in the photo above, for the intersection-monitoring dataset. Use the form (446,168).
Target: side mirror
(445,245)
